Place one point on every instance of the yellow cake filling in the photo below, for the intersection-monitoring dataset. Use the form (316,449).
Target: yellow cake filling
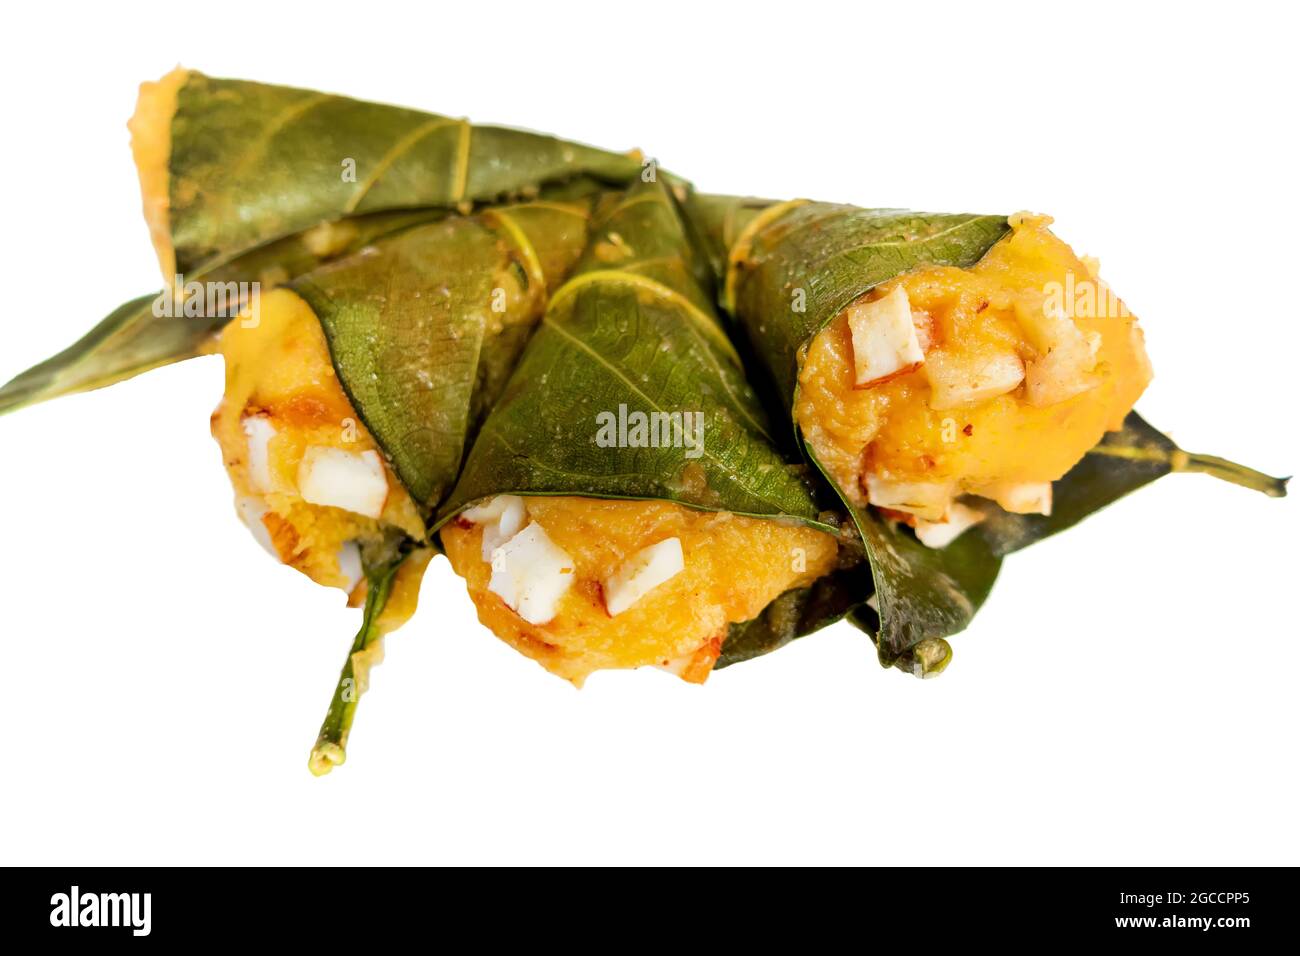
(730,568)
(288,433)
(151,145)
(1009,373)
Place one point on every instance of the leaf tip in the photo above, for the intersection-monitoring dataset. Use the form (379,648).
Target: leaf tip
(1229,471)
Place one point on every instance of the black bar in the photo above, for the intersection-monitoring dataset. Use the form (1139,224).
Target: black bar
(1230,907)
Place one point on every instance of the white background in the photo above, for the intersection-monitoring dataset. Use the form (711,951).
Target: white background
(1127,696)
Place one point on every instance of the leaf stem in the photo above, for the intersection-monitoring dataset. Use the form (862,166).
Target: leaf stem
(331,743)
(1225,470)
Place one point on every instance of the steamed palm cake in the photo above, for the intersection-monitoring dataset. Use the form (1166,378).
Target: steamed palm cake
(309,479)
(627,583)
(992,381)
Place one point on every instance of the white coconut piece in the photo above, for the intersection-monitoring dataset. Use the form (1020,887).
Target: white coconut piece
(349,559)
(940,534)
(1067,356)
(957,380)
(884,339)
(259,430)
(353,481)
(1064,372)
(507,522)
(642,573)
(489,510)
(1022,498)
(928,500)
(1044,321)
(531,574)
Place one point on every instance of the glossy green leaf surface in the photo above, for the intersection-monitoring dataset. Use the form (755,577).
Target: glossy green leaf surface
(423,327)
(631,334)
(252,162)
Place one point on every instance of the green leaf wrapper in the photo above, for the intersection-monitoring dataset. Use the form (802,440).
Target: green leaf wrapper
(632,328)
(251,163)
(425,326)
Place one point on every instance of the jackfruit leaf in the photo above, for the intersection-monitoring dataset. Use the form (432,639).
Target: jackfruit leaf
(424,327)
(630,388)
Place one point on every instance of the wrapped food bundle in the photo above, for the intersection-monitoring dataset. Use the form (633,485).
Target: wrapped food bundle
(647,427)
(586,544)
(966,378)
